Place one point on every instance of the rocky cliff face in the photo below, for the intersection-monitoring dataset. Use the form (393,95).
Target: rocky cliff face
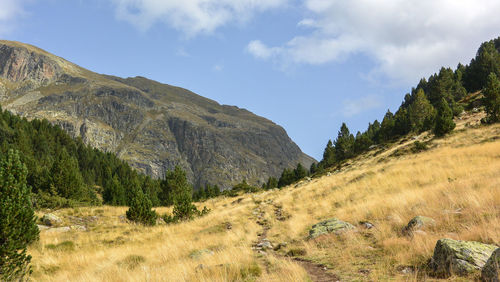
(152,126)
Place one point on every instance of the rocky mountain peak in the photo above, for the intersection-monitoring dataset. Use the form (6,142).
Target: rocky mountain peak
(152,126)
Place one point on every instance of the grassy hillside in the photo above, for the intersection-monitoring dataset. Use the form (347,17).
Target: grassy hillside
(455,181)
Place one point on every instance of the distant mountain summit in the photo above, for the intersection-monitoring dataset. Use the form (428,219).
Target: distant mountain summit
(150,125)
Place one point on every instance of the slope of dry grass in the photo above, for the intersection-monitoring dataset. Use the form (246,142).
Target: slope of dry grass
(456,182)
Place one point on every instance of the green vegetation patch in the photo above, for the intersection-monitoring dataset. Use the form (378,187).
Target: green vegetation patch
(65,246)
(50,269)
(132,261)
(296,252)
(251,271)
(219,228)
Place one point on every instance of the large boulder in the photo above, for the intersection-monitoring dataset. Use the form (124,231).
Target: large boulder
(417,223)
(332,225)
(459,257)
(491,270)
(51,219)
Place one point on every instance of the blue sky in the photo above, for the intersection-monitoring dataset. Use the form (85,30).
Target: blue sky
(306,65)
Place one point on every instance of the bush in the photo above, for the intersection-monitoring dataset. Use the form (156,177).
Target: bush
(132,261)
(17,219)
(230,193)
(183,207)
(180,192)
(204,211)
(140,209)
(419,146)
(168,218)
(44,200)
(296,252)
(245,187)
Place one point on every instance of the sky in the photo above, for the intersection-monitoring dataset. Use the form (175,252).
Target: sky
(306,65)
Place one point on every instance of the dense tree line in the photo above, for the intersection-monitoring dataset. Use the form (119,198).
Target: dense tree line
(62,170)
(429,106)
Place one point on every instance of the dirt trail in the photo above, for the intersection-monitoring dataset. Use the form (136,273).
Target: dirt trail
(316,272)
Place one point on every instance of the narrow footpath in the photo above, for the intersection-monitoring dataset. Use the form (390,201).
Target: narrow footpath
(316,272)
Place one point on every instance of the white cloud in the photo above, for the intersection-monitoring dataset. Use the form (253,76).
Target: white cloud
(10,10)
(191,16)
(217,67)
(356,106)
(261,51)
(407,39)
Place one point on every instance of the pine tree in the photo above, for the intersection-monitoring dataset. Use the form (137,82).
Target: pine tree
(66,177)
(402,122)
(373,131)
(287,177)
(272,182)
(328,155)
(183,201)
(313,168)
(202,192)
(114,193)
(17,219)
(362,142)
(209,191)
(344,145)
(440,86)
(492,99)
(174,183)
(486,61)
(140,208)
(387,127)
(151,189)
(421,112)
(444,119)
(300,172)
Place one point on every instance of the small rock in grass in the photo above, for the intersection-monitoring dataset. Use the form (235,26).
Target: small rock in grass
(417,223)
(51,219)
(332,225)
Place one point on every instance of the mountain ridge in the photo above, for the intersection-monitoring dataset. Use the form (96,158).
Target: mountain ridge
(153,126)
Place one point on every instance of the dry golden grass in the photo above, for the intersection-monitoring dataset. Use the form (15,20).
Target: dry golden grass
(456,182)
(117,251)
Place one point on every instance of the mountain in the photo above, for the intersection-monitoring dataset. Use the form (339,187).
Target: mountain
(152,126)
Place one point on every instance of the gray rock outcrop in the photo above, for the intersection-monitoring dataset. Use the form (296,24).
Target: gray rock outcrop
(452,257)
